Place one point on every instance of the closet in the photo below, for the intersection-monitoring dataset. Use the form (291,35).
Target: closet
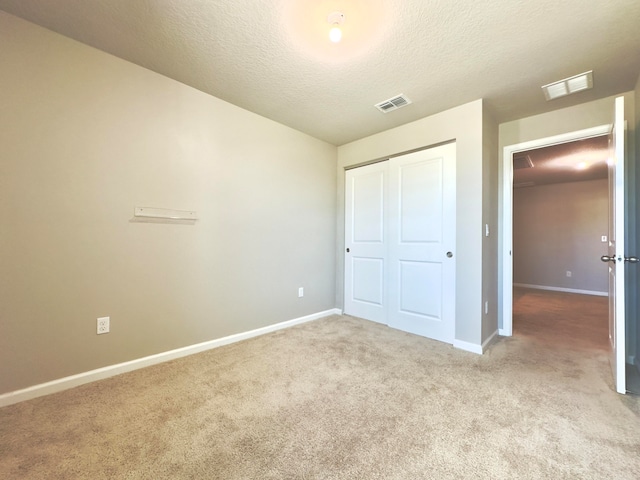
(400,219)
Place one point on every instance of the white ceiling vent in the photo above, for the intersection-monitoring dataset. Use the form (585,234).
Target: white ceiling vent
(567,86)
(522,161)
(394,103)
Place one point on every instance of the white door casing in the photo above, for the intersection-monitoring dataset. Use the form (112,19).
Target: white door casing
(399,226)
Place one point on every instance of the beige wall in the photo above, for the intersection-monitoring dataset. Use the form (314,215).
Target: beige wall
(565,120)
(490,218)
(85,137)
(558,228)
(464,125)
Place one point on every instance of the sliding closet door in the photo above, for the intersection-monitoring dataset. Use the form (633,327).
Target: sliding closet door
(399,242)
(365,242)
(421,241)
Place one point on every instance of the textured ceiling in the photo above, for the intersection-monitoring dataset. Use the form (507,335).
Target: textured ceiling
(566,162)
(274,57)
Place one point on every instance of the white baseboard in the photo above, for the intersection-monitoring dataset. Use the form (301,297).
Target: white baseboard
(474,347)
(561,289)
(112,370)
(469,347)
(492,338)
(503,332)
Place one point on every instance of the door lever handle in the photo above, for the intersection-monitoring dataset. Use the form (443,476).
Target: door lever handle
(607,258)
(632,259)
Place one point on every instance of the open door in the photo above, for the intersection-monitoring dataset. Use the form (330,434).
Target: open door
(615,256)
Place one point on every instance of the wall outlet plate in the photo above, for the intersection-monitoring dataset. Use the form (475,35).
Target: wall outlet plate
(103,325)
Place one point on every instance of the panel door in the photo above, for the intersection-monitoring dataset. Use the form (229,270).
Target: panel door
(421,242)
(365,242)
(616,253)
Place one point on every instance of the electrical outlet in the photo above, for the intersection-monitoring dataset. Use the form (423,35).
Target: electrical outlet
(603,239)
(300,292)
(568,273)
(103,325)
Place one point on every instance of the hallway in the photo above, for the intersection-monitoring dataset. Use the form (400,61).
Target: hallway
(566,320)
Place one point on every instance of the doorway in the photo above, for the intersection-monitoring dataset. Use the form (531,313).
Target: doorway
(560,231)
(616,232)
(507,192)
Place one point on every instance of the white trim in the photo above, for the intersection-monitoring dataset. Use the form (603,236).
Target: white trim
(492,338)
(468,346)
(112,370)
(562,289)
(474,347)
(506,211)
(503,333)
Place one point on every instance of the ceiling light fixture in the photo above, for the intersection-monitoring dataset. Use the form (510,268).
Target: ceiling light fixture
(567,86)
(335,19)
(582,166)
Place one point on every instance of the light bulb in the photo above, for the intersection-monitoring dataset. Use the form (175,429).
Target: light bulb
(335,19)
(335,34)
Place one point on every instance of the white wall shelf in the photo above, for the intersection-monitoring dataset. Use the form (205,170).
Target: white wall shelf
(164,213)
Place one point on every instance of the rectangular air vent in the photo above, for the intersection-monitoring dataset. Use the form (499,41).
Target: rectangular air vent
(522,161)
(394,103)
(567,86)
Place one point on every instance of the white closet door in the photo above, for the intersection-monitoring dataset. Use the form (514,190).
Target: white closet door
(365,242)
(421,241)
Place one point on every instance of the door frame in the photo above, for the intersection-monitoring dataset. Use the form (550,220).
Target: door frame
(506,324)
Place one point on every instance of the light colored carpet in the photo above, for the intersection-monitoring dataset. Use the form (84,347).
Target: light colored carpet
(338,398)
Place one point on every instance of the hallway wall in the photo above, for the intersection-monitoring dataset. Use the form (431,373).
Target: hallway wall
(558,228)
